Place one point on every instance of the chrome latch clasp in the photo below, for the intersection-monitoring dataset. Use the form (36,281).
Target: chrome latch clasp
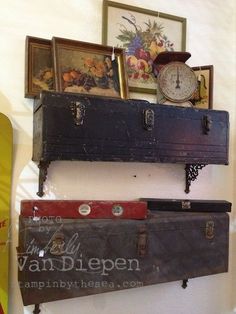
(78,112)
(149,119)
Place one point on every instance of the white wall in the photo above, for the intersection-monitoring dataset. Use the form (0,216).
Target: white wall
(211,40)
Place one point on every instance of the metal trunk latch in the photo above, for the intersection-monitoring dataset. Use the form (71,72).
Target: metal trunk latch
(78,112)
(206,124)
(148,119)
(58,244)
(210,226)
(186,204)
(142,241)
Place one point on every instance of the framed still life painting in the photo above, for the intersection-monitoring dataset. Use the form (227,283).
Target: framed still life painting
(87,68)
(38,66)
(203,97)
(143,33)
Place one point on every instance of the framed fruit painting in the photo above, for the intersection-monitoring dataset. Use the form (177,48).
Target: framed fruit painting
(143,33)
(203,96)
(38,66)
(87,68)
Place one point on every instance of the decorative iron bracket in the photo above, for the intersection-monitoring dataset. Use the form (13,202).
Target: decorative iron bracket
(36,309)
(184,283)
(191,174)
(43,171)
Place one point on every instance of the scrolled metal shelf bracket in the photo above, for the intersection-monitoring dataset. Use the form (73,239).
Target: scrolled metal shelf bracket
(36,309)
(43,171)
(184,283)
(191,174)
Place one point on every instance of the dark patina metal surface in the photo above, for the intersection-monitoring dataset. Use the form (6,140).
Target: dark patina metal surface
(68,258)
(188,205)
(77,127)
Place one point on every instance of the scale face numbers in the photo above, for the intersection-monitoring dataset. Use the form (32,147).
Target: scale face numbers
(177,81)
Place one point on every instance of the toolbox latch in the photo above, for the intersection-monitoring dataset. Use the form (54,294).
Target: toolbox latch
(210,226)
(148,119)
(58,244)
(78,112)
(186,204)
(206,124)
(142,241)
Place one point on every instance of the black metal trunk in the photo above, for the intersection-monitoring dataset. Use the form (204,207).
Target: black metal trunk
(77,127)
(66,258)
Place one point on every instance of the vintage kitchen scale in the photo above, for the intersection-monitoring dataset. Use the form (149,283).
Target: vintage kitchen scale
(176,81)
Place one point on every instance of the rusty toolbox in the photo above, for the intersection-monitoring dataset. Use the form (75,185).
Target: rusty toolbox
(61,258)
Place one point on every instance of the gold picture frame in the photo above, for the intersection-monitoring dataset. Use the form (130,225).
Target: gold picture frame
(38,66)
(203,97)
(143,33)
(88,68)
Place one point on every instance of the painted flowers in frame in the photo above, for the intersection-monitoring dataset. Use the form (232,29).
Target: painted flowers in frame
(143,33)
(88,68)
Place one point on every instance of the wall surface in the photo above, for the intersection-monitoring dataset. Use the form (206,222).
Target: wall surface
(211,40)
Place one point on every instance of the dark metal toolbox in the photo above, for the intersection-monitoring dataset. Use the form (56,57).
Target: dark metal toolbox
(78,127)
(67,258)
(187,205)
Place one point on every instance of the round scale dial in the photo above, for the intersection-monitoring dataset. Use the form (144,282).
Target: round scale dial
(177,81)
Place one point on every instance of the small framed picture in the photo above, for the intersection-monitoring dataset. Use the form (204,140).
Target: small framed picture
(88,68)
(203,97)
(143,34)
(38,66)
